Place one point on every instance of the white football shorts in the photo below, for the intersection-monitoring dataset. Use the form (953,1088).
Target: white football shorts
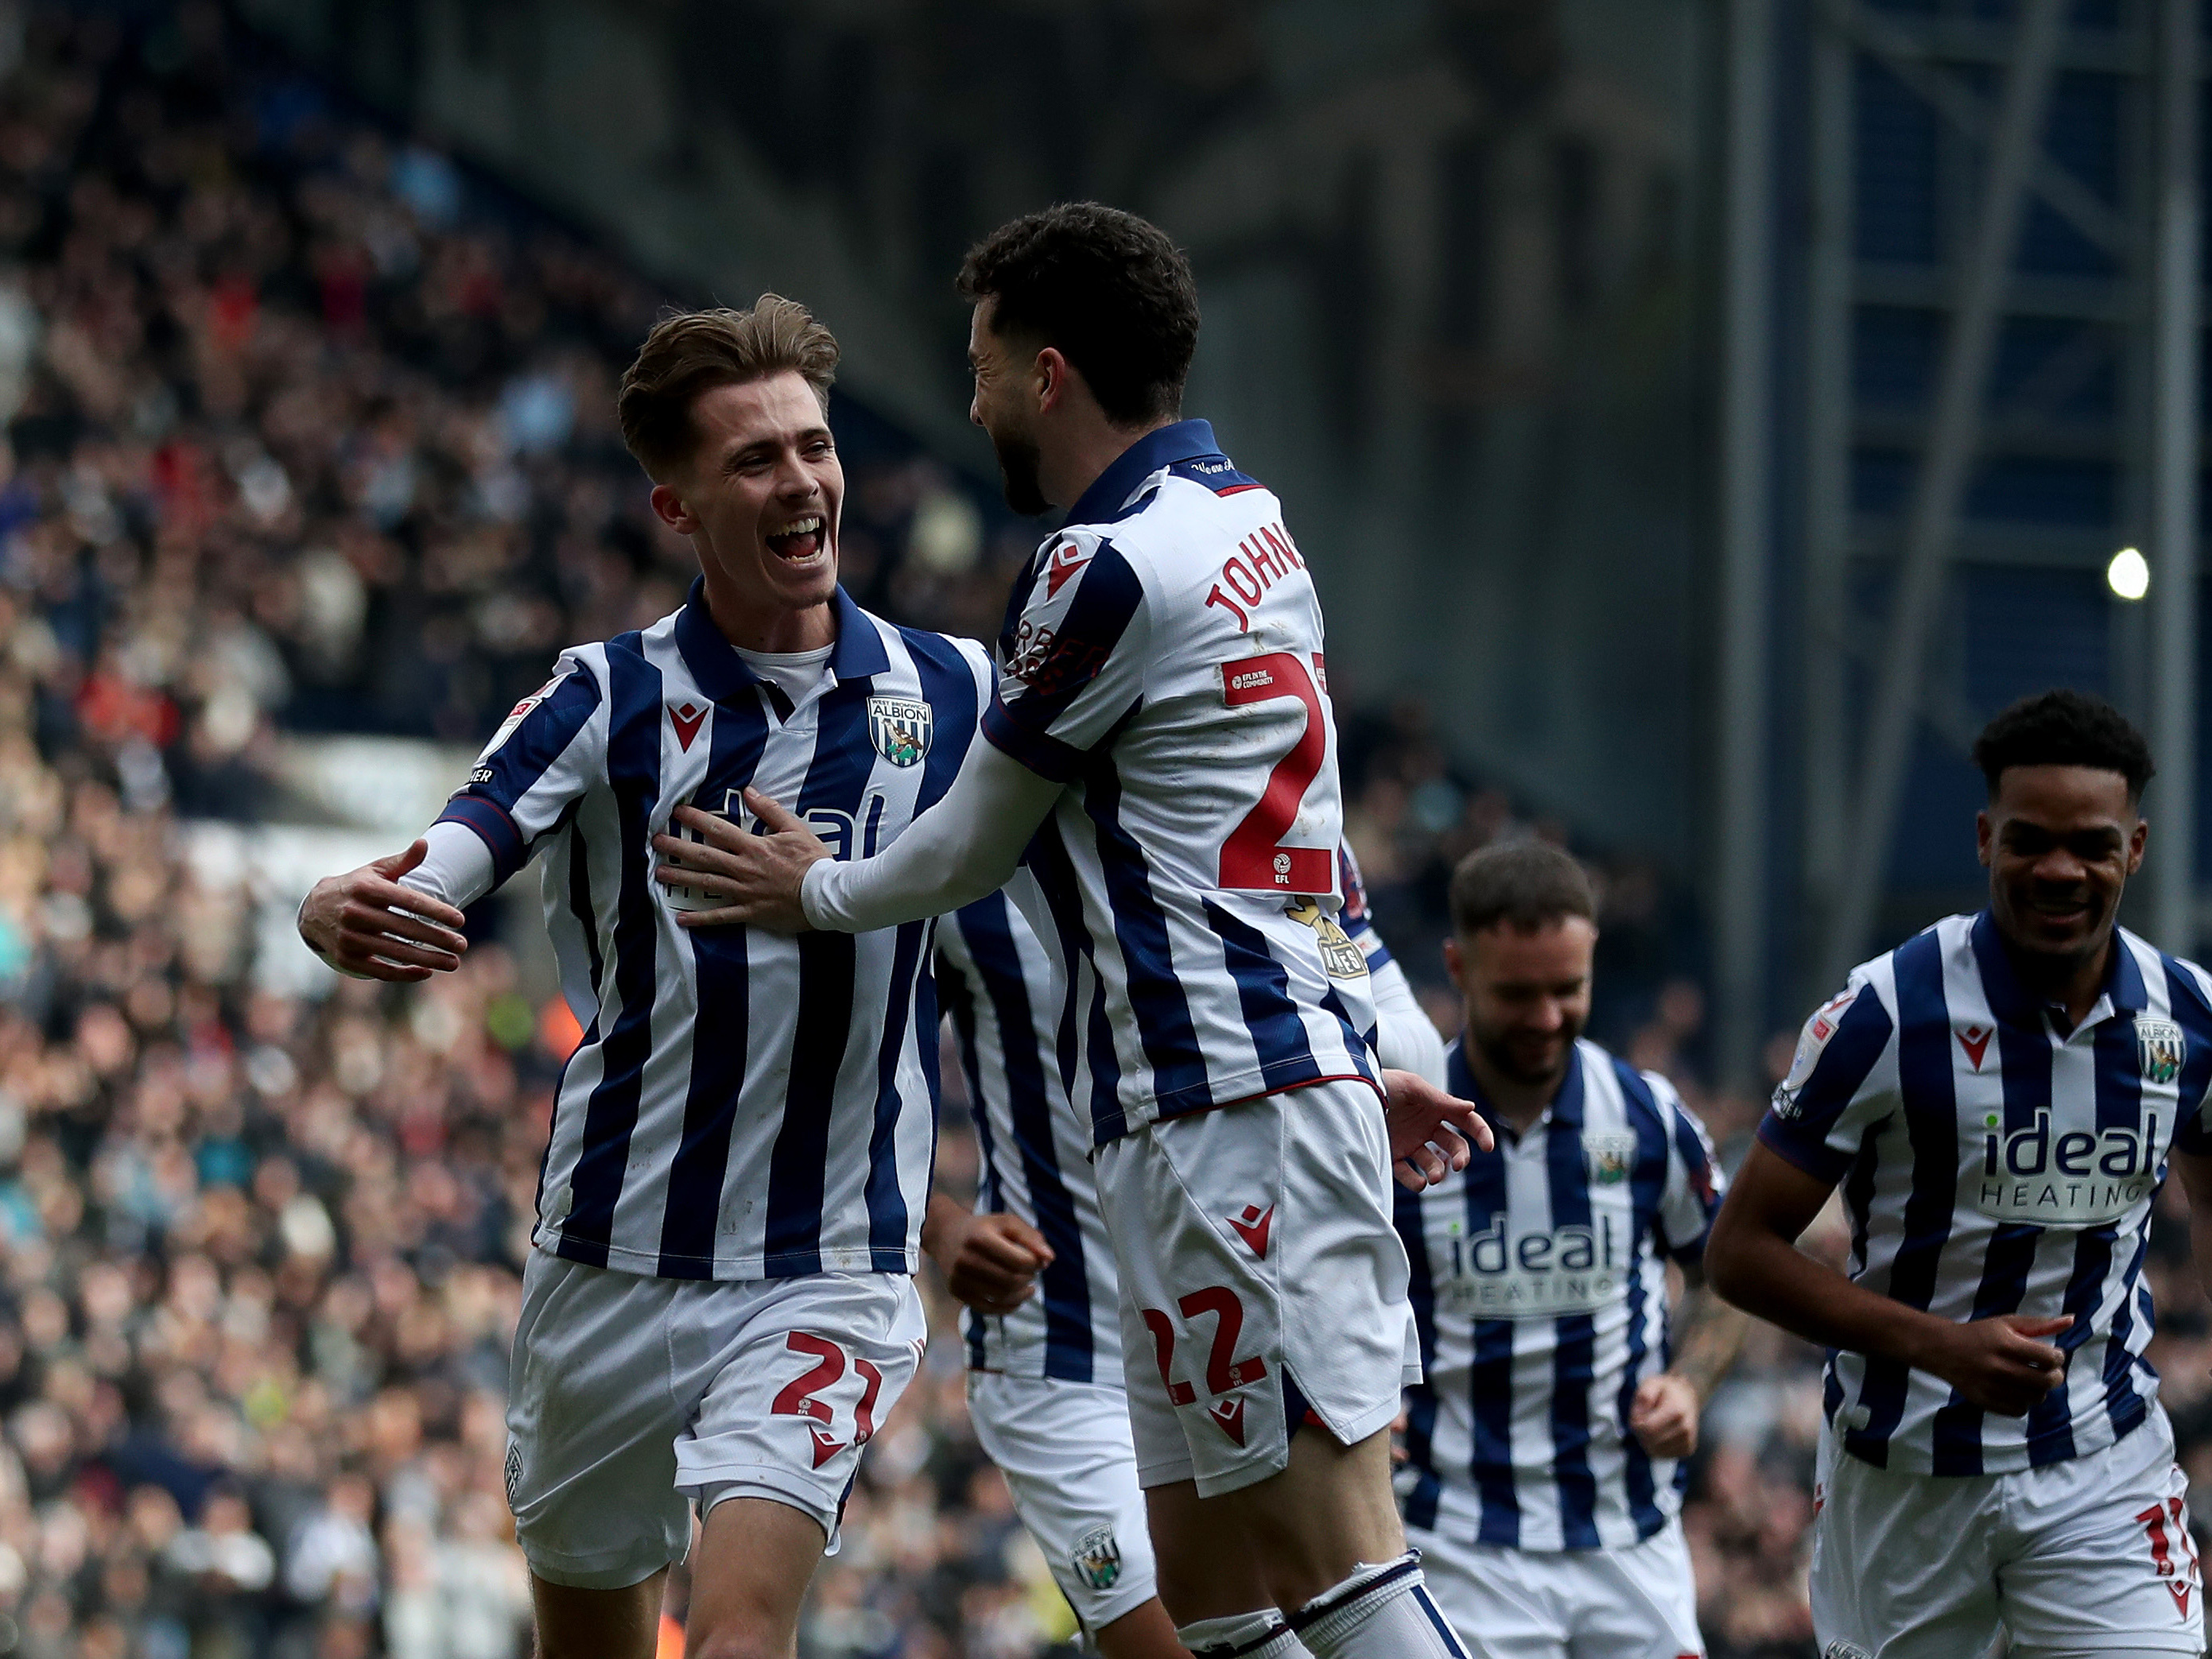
(629,1398)
(1260,1276)
(2088,1556)
(1639,1602)
(1064,1450)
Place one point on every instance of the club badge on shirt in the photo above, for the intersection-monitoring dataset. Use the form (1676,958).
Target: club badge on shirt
(2159,1049)
(1611,1157)
(901,728)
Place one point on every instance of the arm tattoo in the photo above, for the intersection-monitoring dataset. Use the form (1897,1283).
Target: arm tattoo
(1708,1333)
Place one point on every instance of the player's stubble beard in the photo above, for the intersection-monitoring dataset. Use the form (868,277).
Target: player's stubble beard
(1020,463)
(1497,1047)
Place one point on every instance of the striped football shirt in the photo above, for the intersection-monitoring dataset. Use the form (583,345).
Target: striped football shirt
(1993,1160)
(744,1104)
(1539,1289)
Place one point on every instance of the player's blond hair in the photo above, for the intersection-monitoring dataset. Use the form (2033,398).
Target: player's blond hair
(695,351)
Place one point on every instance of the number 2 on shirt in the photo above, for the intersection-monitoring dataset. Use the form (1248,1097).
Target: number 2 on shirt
(1253,858)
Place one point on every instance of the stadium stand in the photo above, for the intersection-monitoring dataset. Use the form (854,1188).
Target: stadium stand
(310,432)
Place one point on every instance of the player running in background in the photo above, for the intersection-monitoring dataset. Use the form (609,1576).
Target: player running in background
(1162,729)
(1544,1474)
(1999,1098)
(719,1306)
(1032,1264)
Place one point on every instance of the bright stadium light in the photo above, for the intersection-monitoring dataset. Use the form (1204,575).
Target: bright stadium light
(2129,575)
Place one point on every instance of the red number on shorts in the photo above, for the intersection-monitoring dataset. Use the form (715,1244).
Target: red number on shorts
(1222,1373)
(2154,1520)
(795,1398)
(863,1414)
(1253,858)
(1163,1340)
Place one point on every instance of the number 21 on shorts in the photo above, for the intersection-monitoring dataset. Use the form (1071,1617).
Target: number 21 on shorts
(1254,859)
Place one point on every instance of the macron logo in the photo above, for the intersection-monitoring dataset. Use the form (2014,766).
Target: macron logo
(825,1445)
(1253,1227)
(1227,1416)
(1066,559)
(1975,1039)
(686,720)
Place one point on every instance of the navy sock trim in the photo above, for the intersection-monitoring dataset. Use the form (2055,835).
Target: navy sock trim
(1317,1609)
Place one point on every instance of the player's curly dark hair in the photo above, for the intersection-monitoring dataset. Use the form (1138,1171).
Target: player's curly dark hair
(2064,728)
(1110,290)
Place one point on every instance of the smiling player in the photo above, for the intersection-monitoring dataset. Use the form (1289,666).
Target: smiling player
(1161,745)
(719,1306)
(1999,1098)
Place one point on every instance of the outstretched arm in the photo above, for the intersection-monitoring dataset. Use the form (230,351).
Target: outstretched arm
(399,917)
(963,848)
(1752,1260)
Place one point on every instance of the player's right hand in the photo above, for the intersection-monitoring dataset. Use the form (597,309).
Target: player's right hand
(991,1262)
(1998,1364)
(364,923)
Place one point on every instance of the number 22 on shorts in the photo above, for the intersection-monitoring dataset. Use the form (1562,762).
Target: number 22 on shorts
(1254,859)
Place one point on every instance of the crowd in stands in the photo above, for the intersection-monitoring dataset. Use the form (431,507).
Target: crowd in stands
(309,430)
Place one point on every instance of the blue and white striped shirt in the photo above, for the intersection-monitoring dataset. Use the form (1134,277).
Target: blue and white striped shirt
(997,985)
(795,1134)
(1539,1288)
(1992,1161)
(1163,659)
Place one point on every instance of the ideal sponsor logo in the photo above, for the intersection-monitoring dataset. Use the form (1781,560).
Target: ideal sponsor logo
(1536,1275)
(2068,1179)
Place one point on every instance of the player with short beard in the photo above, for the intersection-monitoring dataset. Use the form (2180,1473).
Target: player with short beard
(1560,1397)
(1999,1099)
(718,1310)
(1161,747)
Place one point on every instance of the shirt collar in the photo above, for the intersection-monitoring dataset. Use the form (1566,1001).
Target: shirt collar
(1565,1108)
(1184,441)
(721,673)
(2010,1000)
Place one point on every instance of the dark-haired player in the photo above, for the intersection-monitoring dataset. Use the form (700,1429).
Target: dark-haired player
(1999,1098)
(1161,743)
(1031,1263)
(719,1306)
(1560,1396)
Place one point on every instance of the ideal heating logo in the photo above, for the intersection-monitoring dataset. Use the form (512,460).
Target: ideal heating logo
(1536,1275)
(2070,1180)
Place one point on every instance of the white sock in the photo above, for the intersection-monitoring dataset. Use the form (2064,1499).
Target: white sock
(1381,1611)
(1240,1636)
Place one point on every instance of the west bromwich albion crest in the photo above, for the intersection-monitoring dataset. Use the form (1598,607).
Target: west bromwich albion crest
(1097,1559)
(2159,1049)
(1610,1156)
(901,728)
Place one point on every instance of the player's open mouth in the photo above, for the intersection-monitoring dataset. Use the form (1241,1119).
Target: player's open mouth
(799,542)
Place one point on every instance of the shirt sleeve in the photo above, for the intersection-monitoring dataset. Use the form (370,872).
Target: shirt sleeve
(967,845)
(1842,1079)
(1071,658)
(1405,1038)
(548,750)
(2191,1004)
(1694,1181)
(1356,919)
